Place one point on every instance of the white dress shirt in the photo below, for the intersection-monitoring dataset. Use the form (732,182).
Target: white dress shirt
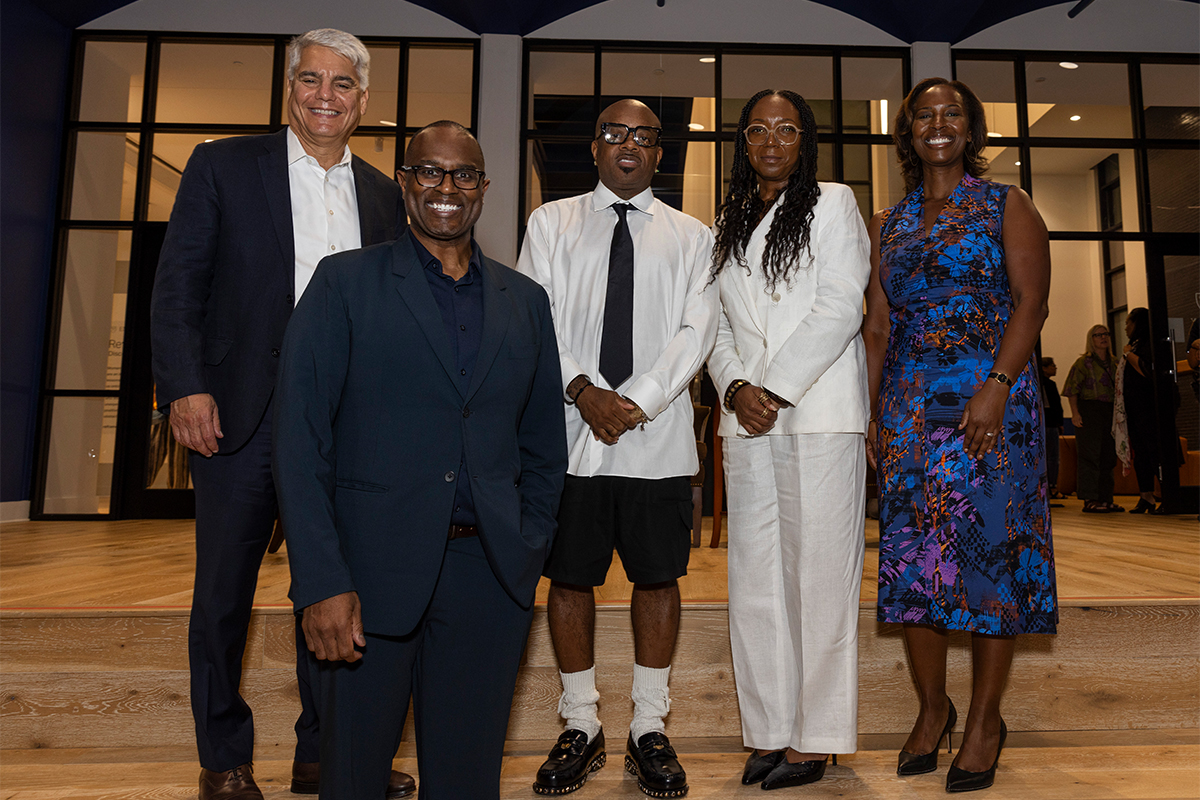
(675,311)
(800,339)
(324,210)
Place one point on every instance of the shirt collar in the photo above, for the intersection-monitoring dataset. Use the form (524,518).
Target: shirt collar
(604,197)
(430,262)
(296,150)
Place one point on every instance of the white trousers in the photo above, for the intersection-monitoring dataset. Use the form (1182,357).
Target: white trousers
(796,538)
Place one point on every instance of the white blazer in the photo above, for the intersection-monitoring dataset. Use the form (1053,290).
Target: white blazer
(801,340)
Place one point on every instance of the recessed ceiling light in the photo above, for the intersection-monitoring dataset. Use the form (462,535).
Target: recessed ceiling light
(1016,163)
(1068,65)
(1075,118)
(696,126)
(708,60)
(387,122)
(994,135)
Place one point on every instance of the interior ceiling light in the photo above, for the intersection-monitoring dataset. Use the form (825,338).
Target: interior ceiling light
(1068,65)
(708,60)
(387,122)
(1075,118)
(696,126)
(994,135)
(1016,163)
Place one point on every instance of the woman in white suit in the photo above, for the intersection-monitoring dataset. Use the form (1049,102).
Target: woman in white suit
(792,261)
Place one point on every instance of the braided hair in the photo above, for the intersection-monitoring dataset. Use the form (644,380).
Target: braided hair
(739,215)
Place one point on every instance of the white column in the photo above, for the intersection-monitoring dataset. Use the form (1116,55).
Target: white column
(931,60)
(500,137)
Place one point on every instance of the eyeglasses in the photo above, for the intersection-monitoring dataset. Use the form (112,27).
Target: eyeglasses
(1100,335)
(784,134)
(616,133)
(431,176)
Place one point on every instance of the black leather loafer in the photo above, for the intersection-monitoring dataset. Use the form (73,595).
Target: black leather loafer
(654,763)
(306,779)
(798,774)
(960,780)
(570,763)
(759,767)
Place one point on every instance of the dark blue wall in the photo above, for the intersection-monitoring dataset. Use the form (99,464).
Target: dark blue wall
(34,58)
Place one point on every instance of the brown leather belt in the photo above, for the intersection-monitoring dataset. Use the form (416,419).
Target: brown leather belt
(463,531)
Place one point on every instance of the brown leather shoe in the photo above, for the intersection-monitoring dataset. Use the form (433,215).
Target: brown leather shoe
(306,779)
(235,784)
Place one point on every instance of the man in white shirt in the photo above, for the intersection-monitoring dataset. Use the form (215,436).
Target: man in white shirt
(635,315)
(252,217)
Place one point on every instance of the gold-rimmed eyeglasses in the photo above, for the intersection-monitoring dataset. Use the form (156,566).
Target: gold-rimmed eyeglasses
(785,134)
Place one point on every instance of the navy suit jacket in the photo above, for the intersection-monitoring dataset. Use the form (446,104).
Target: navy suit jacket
(226,275)
(370,426)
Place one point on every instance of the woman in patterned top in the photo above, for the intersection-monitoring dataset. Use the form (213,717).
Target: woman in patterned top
(1091,390)
(957,298)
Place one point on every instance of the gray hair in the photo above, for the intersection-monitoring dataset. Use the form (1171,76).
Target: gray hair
(344,44)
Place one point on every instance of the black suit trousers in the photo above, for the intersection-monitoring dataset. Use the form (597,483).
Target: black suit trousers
(460,667)
(235,514)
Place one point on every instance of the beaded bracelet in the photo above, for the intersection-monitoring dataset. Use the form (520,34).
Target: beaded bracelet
(731,391)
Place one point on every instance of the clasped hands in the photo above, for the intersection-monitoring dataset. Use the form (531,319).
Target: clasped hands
(607,413)
(756,408)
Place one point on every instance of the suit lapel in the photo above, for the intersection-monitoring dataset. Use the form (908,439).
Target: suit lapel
(373,224)
(413,288)
(497,312)
(274,169)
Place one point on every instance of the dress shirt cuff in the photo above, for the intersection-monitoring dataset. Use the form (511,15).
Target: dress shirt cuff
(649,397)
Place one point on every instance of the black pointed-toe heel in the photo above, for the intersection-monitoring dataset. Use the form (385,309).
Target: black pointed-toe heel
(759,767)
(959,780)
(803,772)
(914,764)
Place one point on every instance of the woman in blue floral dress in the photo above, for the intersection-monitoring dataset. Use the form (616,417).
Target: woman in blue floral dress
(961,273)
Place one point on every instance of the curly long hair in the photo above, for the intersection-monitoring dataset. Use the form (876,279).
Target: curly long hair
(739,215)
(973,161)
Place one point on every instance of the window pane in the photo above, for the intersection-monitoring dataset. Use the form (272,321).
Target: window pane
(215,83)
(80,459)
(872,89)
(872,171)
(562,92)
(105,174)
(1092,100)
(1182,275)
(91,332)
(557,170)
(672,84)
(384,87)
(112,83)
(699,170)
(378,151)
(171,154)
(993,83)
(742,77)
(1170,93)
(166,459)
(1174,190)
(1067,188)
(1076,301)
(440,81)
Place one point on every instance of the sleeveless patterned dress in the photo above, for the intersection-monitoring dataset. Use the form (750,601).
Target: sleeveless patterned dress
(964,543)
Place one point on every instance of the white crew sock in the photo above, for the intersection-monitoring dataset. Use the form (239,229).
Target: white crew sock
(579,701)
(651,701)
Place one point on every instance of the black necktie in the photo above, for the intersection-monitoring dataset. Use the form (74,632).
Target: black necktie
(616,340)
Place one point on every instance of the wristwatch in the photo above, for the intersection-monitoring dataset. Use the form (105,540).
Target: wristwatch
(1001,378)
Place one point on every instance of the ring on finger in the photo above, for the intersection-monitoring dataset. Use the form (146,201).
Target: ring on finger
(989,434)
(764,413)
(762,398)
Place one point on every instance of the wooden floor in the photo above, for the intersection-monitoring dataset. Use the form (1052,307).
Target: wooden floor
(147,564)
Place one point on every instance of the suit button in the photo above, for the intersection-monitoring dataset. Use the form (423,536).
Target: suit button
(291,298)
(775,297)
(449,477)
(275,352)
(466,413)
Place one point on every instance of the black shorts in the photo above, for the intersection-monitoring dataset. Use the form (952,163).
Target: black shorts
(648,521)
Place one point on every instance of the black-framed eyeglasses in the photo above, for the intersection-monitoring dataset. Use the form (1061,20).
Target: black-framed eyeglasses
(1104,335)
(616,133)
(431,176)
(785,134)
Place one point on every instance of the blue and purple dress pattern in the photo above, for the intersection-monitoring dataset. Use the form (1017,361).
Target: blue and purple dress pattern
(964,543)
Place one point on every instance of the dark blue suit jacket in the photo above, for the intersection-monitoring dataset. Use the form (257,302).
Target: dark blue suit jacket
(370,427)
(223,290)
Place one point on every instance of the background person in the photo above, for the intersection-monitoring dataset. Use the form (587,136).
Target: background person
(954,308)
(1137,390)
(791,261)
(1052,403)
(1091,390)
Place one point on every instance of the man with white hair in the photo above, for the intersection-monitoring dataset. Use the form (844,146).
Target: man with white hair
(253,216)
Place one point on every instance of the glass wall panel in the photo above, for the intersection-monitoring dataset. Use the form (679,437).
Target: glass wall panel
(112,82)
(440,81)
(562,88)
(1183,306)
(994,84)
(872,89)
(378,151)
(384,88)
(560,169)
(1067,187)
(743,76)
(215,83)
(672,84)
(91,331)
(1090,100)
(80,458)
(1076,302)
(698,170)
(1174,190)
(171,154)
(872,171)
(105,174)
(1171,97)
